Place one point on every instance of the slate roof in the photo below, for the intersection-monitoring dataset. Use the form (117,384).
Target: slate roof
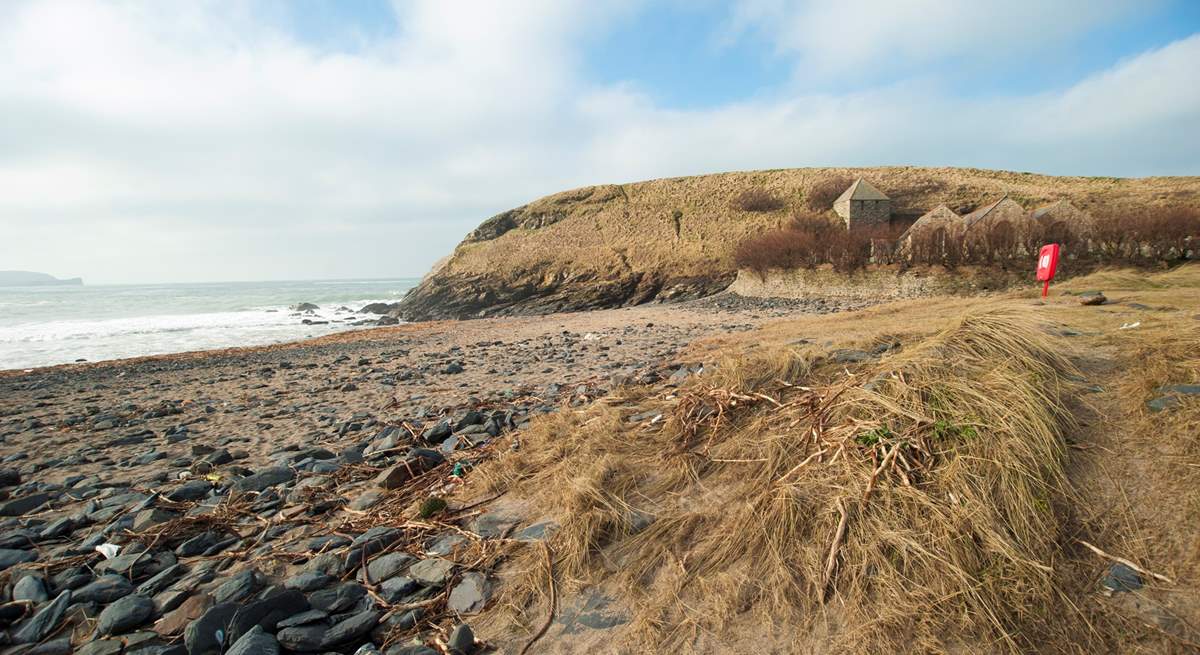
(861,190)
(1063,211)
(940,216)
(1003,209)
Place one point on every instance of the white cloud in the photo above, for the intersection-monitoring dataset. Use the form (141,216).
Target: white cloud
(173,141)
(862,39)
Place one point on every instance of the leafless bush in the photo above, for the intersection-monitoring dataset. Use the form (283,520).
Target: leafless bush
(820,195)
(810,240)
(757,200)
(1147,234)
(1142,236)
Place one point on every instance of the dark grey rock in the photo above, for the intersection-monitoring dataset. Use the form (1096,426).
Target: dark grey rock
(189,491)
(309,581)
(471,594)
(303,618)
(494,525)
(351,628)
(101,647)
(537,531)
(1163,403)
(339,598)
(206,635)
(439,431)
(104,589)
(255,642)
(18,539)
(366,499)
(58,528)
(444,544)
(43,621)
(462,640)
(267,612)
(1183,389)
(197,545)
(124,614)
(264,479)
(411,649)
(24,505)
(302,638)
(432,572)
(30,588)
(851,356)
(161,581)
(418,461)
(236,588)
(60,646)
(396,589)
(1120,577)
(386,566)
(149,518)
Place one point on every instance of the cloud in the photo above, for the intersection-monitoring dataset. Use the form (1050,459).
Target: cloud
(160,141)
(864,39)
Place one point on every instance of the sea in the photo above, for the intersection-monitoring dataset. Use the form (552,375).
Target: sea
(47,325)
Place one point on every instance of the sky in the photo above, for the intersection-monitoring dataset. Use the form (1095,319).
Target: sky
(149,141)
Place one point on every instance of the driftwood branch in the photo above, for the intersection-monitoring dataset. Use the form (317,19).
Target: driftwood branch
(831,561)
(1122,560)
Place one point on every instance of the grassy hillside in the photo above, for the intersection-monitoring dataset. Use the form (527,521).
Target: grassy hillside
(674,238)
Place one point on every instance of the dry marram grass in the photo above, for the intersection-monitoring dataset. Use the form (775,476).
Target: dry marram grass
(914,500)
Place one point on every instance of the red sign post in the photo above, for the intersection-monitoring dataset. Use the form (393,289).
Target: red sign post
(1047,265)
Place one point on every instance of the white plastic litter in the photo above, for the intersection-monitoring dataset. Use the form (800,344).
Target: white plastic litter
(109,551)
(1130,326)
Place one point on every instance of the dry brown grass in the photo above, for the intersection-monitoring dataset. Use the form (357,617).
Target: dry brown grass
(946,460)
(822,193)
(757,200)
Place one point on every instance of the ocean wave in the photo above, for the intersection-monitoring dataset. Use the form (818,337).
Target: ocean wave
(142,325)
(100,323)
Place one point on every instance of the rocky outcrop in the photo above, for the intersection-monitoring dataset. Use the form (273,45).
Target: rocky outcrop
(479,296)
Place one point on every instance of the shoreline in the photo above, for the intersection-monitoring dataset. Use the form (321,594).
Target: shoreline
(726,301)
(234,475)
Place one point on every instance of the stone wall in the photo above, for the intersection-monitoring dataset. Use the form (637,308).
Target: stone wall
(882,283)
(869,213)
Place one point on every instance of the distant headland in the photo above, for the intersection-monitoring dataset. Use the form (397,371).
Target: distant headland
(31,279)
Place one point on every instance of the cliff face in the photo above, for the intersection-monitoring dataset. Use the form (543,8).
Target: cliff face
(673,239)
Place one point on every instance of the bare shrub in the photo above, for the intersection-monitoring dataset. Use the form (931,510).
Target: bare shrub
(1170,232)
(809,240)
(820,195)
(1147,234)
(1138,236)
(757,200)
